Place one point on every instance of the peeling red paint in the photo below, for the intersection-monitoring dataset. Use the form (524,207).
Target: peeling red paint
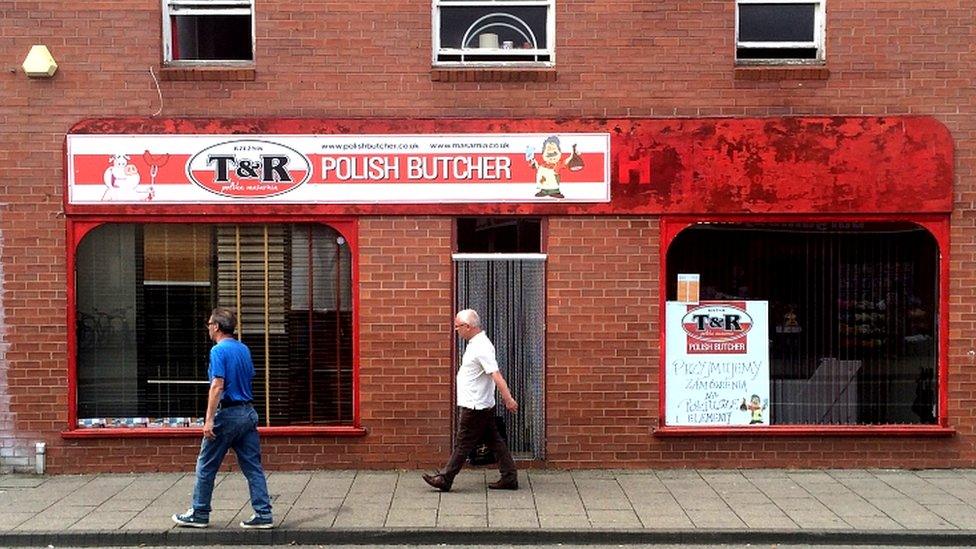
(676,166)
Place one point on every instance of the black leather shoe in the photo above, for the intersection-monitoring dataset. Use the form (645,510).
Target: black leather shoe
(438,481)
(504,485)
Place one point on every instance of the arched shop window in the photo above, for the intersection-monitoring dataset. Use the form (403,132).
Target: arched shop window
(853,313)
(143,295)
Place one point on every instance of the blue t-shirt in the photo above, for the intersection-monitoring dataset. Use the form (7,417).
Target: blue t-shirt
(231,360)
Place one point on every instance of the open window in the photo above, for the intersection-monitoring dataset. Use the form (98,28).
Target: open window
(779,31)
(143,295)
(853,313)
(201,32)
(494,33)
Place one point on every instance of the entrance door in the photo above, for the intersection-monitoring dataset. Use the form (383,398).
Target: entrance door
(508,291)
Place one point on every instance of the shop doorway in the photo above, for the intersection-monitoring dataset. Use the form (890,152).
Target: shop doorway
(508,291)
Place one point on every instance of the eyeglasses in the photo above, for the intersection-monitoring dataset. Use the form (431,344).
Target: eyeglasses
(211,323)
(461,325)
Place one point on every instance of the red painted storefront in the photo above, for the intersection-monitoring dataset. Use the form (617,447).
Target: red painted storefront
(880,135)
(665,175)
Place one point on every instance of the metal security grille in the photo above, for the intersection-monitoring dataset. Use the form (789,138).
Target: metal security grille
(508,291)
(853,310)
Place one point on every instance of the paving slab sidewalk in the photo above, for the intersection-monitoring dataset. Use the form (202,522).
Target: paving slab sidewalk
(901,507)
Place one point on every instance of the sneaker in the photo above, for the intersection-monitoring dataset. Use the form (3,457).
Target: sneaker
(191,519)
(258,522)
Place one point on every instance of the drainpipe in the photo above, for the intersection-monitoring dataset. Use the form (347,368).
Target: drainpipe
(39,449)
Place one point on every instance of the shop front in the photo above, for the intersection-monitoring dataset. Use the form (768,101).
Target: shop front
(345,245)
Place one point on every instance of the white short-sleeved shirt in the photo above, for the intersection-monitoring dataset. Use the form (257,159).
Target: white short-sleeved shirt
(475,387)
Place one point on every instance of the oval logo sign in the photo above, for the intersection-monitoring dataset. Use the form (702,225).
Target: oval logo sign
(716,323)
(249,168)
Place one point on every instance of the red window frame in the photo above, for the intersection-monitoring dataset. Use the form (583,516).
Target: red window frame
(76,231)
(936,224)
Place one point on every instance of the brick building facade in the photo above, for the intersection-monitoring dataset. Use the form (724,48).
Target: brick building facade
(321,65)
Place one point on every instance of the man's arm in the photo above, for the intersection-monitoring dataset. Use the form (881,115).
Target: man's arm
(507,397)
(213,399)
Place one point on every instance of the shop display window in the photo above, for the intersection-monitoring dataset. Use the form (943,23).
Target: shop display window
(208,31)
(144,292)
(779,31)
(494,33)
(853,312)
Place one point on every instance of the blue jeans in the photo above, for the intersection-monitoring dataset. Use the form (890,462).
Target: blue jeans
(235,428)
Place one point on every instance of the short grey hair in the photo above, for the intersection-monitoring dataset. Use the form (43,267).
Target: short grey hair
(470,317)
(225,319)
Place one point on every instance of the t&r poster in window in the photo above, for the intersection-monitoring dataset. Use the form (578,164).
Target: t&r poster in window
(717,363)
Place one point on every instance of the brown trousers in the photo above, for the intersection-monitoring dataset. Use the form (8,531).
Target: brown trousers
(475,427)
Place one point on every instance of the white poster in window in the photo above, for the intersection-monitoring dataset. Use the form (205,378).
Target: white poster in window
(717,360)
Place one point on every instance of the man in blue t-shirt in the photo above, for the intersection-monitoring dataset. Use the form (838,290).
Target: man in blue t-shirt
(231,422)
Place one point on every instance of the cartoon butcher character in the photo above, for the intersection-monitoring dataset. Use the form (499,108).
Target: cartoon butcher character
(547,171)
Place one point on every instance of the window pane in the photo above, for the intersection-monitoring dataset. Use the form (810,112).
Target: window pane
(320,345)
(175,298)
(144,292)
(499,235)
(213,37)
(776,22)
(523,26)
(108,377)
(853,313)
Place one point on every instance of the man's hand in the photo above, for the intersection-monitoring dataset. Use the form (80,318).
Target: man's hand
(213,399)
(510,404)
(507,397)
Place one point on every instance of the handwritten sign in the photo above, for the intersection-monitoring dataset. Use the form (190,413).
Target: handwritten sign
(717,363)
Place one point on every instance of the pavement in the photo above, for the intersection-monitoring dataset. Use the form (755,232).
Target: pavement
(860,506)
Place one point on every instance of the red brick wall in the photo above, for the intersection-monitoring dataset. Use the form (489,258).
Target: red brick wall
(602,346)
(338,59)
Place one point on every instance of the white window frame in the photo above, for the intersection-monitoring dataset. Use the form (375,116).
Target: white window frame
(204,7)
(818,42)
(548,49)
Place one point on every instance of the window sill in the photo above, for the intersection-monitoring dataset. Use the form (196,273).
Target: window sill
(212,73)
(778,73)
(191,432)
(810,431)
(492,75)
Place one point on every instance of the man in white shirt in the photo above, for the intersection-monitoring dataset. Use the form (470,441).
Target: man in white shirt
(476,381)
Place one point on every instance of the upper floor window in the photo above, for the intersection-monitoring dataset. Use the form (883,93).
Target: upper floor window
(494,33)
(208,31)
(779,31)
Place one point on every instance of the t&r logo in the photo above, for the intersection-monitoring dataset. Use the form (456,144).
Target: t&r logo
(717,328)
(249,168)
